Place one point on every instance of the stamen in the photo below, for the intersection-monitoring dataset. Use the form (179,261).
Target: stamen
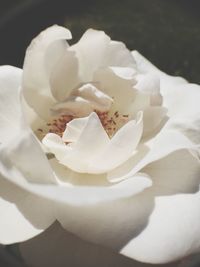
(111,122)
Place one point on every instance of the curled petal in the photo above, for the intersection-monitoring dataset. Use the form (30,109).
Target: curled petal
(78,156)
(114,85)
(121,147)
(65,76)
(41,57)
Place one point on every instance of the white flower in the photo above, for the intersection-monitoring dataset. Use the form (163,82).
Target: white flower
(96,137)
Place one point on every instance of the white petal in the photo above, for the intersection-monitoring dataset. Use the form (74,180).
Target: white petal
(149,83)
(94,152)
(115,86)
(74,105)
(97,99)
(77,156)
(23,215)
(173,229)
(157,226)
(144,66)
(65,76)
(19,148)
(83,101)
(92,141)
(24,155)
(79,253)
(124,72)
(54,144)
(156,148)
(74,129)
(110,53)
(183,107)
(10,110)
(119,56)
(121,147)
(86,51)
(182,101)
(41,57)
(78,195)
(153,117)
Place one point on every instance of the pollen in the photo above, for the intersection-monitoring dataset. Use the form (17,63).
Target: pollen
(56,125)
(111,122)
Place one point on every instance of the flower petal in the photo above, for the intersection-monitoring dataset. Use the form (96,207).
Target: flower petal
(173,230)
(10,111)
(19,148)
(110,53)
(144,66)
(153,117)
(74,129)
(89,60)
(80,253)
(149,226)
(83,101)
(115,86)
(154,149)
(149,83)
(77,156)
(184,109)
(118,55)
(121,147)
(41,56)
(25,154)
(97,99)
(65,76)
(23,215)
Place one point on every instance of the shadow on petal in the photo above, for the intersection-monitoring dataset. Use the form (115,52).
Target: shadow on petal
(177,173)
(57,247)
(35,211)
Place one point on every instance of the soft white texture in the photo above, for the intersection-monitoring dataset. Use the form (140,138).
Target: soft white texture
(136,192)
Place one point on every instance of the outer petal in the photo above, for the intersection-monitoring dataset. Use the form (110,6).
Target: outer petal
(55,241)
(23,215)
(19,146)
(18,149)
(184,109)
(146,67)
(89,59)
(173,230)
(154,149)
(10,113)
(149,226)
(41,57)
(110,53)
(179,97)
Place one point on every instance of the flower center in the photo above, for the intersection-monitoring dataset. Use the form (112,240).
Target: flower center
(111,122)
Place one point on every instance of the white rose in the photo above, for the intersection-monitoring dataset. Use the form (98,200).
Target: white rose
(96,137)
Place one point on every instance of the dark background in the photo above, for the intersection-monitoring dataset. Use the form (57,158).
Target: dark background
(165,31)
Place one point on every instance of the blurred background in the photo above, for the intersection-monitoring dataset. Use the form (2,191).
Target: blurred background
(167,32)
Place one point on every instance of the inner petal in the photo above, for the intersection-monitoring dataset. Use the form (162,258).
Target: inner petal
(86,147)
(83,100)
(92,139)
